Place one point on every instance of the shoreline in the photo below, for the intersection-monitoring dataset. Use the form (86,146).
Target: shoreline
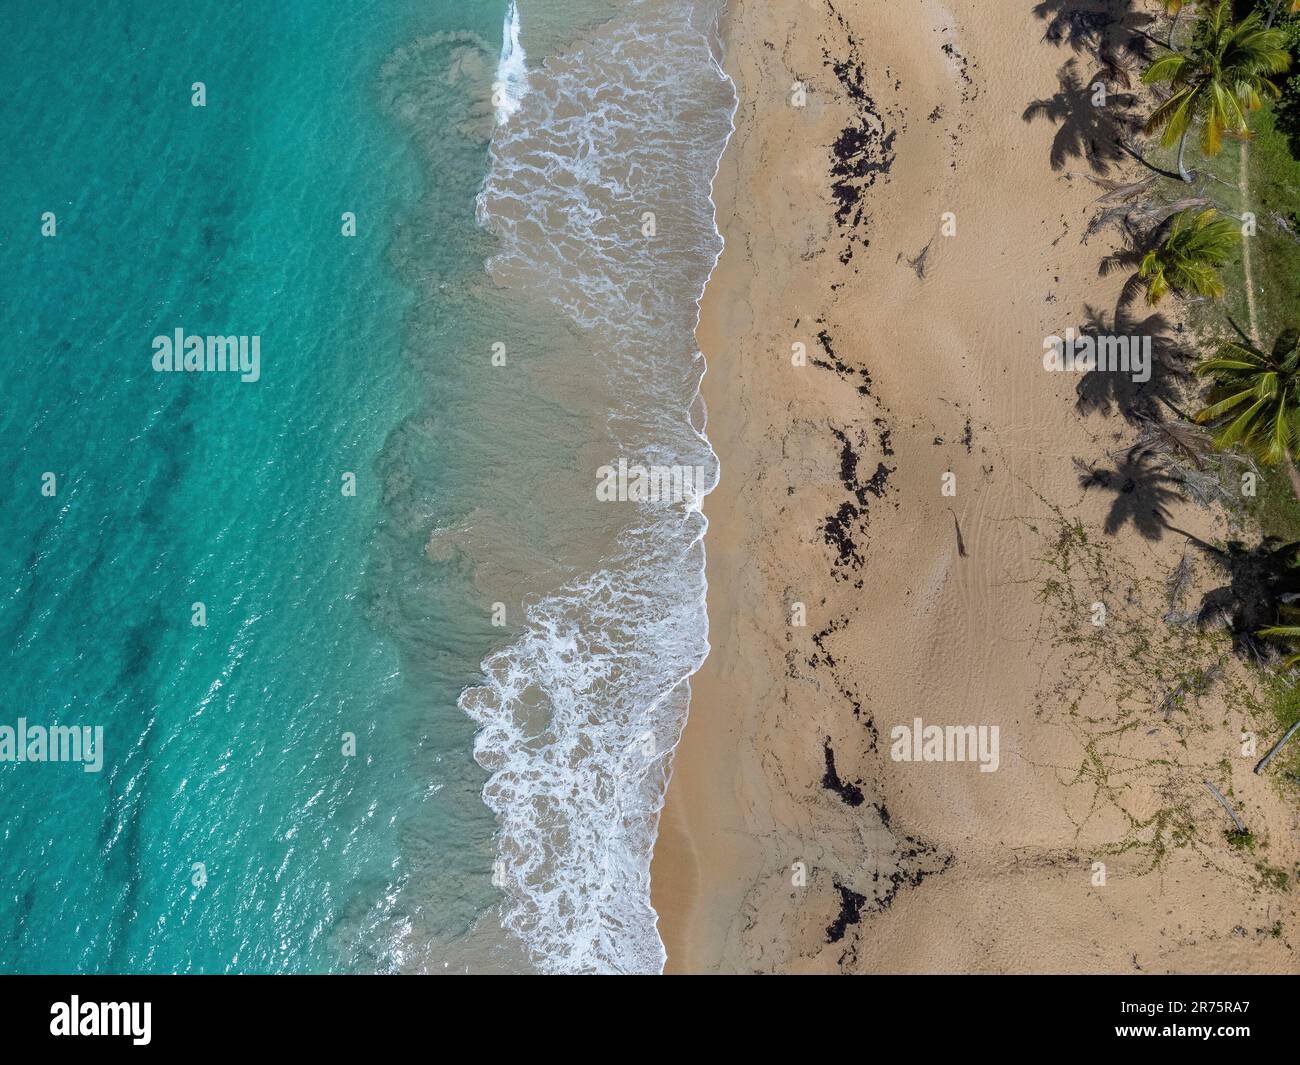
(586,700)
(790,841)
(684,869)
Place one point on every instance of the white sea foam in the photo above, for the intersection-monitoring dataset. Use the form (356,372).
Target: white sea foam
(579,716)
(512,70)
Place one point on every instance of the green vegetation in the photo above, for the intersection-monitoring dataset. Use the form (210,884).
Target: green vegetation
(1289,107)
(1281,706)
(1224,241)
(1256,399)
(1228,247)
(1274,508)
(1273,178)
(1220,75)
(1187,261)
(1268,185)
(1116,678)
(1272,877)
(1272,181)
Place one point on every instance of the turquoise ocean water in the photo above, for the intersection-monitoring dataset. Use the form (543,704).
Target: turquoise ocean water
(232,828)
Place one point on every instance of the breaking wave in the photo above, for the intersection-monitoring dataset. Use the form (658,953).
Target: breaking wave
(600,195)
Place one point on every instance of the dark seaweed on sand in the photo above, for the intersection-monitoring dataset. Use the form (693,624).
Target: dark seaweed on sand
(864,149)
(850,793)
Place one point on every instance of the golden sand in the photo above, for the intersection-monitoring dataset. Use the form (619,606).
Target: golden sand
(791,840)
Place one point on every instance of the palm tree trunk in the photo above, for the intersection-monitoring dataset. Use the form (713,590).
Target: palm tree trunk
(1277,6)
(1173,26)
(1294,474)
(1141,159)
(1209,549)
(1182,148)
(1181,413)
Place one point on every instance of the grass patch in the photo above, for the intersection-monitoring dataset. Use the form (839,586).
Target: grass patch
(1273,182)
(1243,841)
(1273,878)
(1274,178)
(1283,703)
(1275,507)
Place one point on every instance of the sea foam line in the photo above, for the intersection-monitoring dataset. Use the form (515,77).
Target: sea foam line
(608,656)
(512,71)
(703,430)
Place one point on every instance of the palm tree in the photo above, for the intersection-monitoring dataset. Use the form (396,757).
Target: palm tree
(1256,399)
(1222,75)
(1187,260)
(1293,8)
(1175,8)
(1285,632)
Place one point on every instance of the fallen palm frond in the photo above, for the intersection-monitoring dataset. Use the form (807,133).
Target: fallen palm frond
(1202,487)
(1180,582)
(1187,456)
(1175,439)
(1118,191)
(1139,222)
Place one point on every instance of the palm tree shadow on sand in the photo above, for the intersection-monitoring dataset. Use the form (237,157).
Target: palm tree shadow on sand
(1143,490)
(1260,580)
(1086,130)
(1106,391)
(1115,32)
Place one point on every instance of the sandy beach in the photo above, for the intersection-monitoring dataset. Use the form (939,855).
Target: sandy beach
(916,519)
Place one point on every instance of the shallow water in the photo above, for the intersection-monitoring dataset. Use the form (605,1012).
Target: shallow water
(231,829)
